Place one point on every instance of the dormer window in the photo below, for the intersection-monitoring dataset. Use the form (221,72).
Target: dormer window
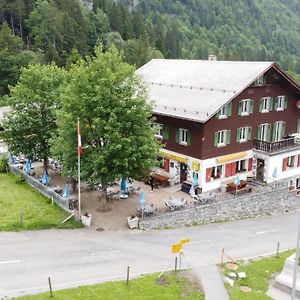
(224,112)
(260,81)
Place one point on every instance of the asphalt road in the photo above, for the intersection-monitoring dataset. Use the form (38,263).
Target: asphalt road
(77,257)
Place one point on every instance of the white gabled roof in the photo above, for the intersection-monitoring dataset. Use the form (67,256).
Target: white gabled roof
(196,89)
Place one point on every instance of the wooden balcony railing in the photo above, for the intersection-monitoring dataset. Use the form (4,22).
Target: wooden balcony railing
(275,146)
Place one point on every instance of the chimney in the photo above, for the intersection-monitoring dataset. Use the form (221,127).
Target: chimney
(212,57)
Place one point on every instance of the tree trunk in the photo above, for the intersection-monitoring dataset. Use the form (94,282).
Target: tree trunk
(104,188)
(46,164)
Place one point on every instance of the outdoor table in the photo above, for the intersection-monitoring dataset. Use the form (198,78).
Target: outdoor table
(176,203)
(160,179)
(232,186)
(147,209)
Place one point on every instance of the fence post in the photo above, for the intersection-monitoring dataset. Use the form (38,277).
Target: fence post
(127,281)
(50,287)
(277,251)
(175,264)
(222,256)
(21,218)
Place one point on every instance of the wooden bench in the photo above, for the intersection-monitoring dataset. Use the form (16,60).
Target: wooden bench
(247,188)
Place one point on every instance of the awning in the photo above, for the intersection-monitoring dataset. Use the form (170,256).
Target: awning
(174,156)
(230,157)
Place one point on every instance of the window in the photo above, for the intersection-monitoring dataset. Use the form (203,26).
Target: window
(278,131)
(159,133)
(245,107)
(225,111)
(260,81)
(241,166)
(291,161)
(265,104)
(244,134)
(263,133)
(217,172)
(183,139)
(280,103)
(172,164)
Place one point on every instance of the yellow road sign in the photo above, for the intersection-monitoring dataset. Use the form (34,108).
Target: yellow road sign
(176,248)
(182,242)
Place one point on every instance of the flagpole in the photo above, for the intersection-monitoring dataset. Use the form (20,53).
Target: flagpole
(79,196)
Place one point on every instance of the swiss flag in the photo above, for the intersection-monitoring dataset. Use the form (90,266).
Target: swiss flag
(79,139)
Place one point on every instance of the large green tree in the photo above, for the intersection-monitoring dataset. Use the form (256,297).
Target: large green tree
(116,121)
(34,100)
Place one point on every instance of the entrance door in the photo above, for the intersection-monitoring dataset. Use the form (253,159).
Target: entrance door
(260,169)
(183,172)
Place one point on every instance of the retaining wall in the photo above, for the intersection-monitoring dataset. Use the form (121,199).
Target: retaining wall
(274,200)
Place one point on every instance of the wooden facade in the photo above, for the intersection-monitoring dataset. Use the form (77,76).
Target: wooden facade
(202,135)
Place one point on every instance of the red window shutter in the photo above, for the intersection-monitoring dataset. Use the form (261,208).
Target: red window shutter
(167,165)
(208,174)
(284,164)
(250,163)
(298,161)
(227,170)
(233,168)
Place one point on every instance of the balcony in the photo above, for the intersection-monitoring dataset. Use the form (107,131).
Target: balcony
(281,146)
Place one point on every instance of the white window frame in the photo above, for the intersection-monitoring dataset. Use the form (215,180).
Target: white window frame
(245,107)
(159,134)
(244,134)
(214,172)
(183,133)
(280,103)
(266,104)
(259,81)
(291,162)
(223,112)
(239,166)
(264,132)
(278,131)
(222,138)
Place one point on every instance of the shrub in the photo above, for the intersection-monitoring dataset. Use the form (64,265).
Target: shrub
(3,164)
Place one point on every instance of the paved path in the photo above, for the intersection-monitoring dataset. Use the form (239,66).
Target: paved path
(77,257)
(212,282)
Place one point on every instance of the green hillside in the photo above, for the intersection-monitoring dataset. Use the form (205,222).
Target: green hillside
(61,31)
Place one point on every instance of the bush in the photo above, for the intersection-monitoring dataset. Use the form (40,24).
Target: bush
(3,164)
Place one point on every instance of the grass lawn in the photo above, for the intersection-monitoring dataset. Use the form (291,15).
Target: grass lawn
(170,286)
(259,273)
(38,212)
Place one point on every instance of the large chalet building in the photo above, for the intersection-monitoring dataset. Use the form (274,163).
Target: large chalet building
(220,119)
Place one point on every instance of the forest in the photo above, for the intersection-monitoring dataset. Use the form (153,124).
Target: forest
(45,31)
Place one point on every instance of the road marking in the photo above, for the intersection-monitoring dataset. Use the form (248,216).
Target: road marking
(10,262)
(104,253)
(261,232)
(199,242)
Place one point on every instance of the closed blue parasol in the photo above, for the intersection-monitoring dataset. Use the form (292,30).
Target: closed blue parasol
(45,179)
(195,180)
(123,184)
(66,193)
(11,159)
(27,166)
(275,173)
(142,198)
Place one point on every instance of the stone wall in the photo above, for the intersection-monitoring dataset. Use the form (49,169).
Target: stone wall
(272,201)
(46,191)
